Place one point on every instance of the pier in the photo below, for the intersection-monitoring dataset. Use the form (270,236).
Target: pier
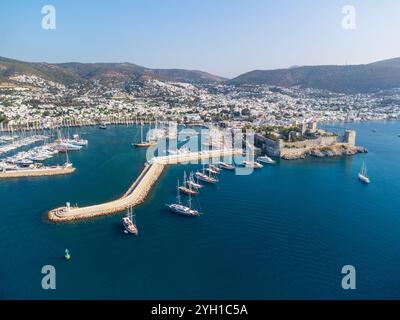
(38,172)
(139,190)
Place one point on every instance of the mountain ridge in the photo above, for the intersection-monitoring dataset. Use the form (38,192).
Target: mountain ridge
(109,74)
(379,75)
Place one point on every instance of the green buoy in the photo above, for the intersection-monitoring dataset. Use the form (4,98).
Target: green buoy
(67,255)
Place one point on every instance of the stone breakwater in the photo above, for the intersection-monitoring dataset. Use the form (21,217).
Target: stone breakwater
(139,190)
(30,173)
(136,195)
(335,150)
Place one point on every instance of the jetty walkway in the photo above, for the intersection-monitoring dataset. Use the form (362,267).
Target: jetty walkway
(139,190)
(38,172)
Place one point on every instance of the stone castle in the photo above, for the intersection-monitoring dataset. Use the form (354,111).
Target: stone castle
(307,140)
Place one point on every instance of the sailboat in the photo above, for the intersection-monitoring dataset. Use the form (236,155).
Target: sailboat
(226,166)
(192,183)
(363,176)
(202,176)
(129,223)
(67,163)
(143,144)
(182,210)
(213,169)
(187,188)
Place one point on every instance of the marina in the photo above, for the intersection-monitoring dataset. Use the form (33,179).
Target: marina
(30,163)
(19,143)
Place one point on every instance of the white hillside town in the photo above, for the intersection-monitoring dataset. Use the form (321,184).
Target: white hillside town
(28,101)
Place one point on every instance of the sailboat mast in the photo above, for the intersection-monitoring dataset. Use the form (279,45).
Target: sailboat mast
(178,196)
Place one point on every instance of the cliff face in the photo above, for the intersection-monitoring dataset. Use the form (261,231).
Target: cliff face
(335,150)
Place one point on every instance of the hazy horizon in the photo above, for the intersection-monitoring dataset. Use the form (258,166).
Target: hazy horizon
(222,37)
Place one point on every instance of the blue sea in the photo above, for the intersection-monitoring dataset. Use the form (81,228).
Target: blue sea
(283,232)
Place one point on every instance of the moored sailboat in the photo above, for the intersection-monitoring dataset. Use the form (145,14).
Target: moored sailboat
(129,223)
(142,143)
(202,176)
(192,183)
(187,188)
(182,210)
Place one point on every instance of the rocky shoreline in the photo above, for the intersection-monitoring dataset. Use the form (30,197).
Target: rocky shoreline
(324,152)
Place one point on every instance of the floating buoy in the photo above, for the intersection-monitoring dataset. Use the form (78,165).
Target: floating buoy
(67,255)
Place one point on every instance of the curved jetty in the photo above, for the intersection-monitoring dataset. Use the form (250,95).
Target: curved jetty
(139,190)
(37,172)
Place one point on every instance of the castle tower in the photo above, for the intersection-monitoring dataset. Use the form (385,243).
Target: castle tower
(303,128)
(313,127)
(350,137)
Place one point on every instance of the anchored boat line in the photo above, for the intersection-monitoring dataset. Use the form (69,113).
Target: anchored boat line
(139,190)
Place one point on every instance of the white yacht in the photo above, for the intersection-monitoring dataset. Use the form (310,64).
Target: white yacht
(265,159)
(252,164)
(226,166)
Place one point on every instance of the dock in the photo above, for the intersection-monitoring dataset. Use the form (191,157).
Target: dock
(139,190)
(38,172)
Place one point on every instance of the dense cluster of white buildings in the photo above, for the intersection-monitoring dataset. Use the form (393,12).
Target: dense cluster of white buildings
(30,101)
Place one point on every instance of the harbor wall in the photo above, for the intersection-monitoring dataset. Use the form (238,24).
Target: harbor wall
(35,173)
(138,191)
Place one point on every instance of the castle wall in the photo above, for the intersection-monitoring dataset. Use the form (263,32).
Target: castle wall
(321,141)
(270,147)
(297,149)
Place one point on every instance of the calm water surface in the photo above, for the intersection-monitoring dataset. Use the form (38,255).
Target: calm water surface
(283,232)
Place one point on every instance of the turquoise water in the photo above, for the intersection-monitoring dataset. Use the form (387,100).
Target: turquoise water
(282,233)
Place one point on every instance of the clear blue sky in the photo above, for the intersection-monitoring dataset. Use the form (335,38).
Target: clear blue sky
(224,37)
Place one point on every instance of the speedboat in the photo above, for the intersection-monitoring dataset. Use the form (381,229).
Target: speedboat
(252,164)
(265,159)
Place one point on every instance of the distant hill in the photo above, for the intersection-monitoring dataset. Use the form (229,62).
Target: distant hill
(350,79)
(109,74)
(354,78)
